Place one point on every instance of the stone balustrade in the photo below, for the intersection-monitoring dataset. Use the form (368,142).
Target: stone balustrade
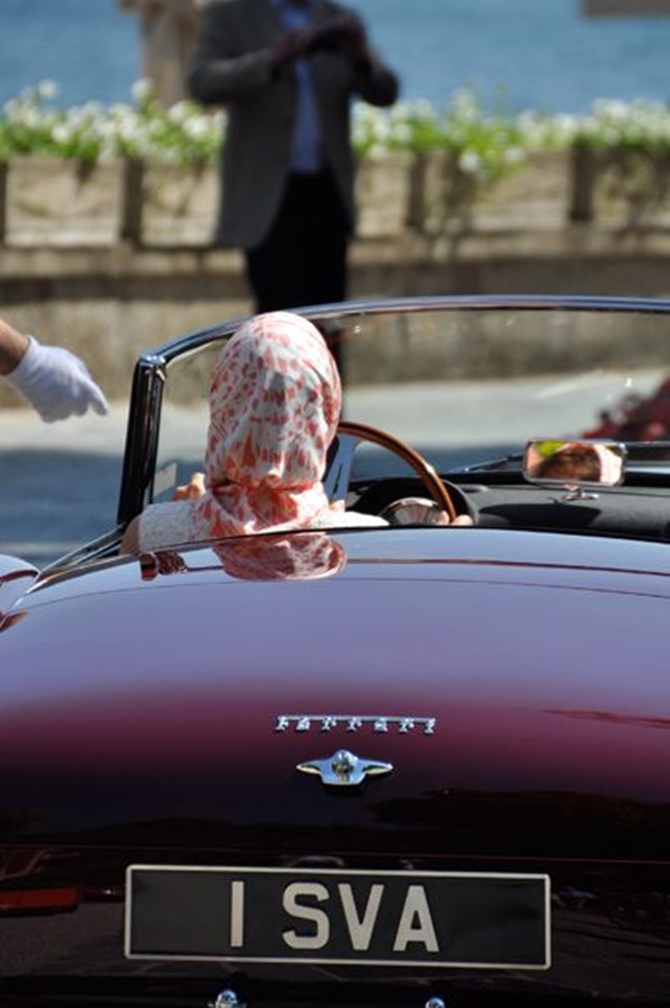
(60,203)
(116,258)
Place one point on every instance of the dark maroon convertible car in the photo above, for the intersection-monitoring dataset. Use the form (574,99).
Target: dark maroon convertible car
(411,765)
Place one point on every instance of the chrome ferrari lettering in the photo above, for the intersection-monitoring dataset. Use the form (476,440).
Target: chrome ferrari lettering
(291,903)
(360,928)
(416,909)
(380,724)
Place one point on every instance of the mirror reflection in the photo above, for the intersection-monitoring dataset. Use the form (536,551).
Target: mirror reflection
(574,463)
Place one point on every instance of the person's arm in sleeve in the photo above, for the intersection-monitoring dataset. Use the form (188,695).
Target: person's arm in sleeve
(217,74)
(220,73)
(52,380)
(376,83)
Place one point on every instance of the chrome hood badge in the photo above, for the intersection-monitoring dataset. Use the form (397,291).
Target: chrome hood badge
(344,769)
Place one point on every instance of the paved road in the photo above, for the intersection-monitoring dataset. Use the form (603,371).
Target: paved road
(58,482)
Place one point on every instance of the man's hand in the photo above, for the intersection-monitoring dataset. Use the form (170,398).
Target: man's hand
(345,34)
(55,382)
(292,46)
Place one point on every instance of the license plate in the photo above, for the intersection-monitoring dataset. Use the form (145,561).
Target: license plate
(383,918)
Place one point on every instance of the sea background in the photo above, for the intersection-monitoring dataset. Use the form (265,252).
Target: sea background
(541,54)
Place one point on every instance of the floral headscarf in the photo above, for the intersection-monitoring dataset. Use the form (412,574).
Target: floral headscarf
(275,401)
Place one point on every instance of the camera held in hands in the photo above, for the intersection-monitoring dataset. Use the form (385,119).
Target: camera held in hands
(331,35)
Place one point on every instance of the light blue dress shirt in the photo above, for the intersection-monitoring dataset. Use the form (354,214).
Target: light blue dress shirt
(307,151)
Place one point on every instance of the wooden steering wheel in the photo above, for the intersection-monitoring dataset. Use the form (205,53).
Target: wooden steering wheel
(423,469)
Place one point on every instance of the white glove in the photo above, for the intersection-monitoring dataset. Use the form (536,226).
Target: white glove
(56,383)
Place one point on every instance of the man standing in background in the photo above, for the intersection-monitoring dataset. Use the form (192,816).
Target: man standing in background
(286,71)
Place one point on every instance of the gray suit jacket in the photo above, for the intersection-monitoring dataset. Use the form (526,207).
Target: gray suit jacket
(231,67)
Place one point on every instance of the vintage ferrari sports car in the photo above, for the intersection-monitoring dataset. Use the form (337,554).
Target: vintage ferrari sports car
(412,764)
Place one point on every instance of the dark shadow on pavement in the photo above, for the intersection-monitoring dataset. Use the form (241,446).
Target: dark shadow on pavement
(52,501)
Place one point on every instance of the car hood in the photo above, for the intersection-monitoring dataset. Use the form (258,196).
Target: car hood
(515,683)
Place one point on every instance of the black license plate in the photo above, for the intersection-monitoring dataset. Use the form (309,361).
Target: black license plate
(389,918)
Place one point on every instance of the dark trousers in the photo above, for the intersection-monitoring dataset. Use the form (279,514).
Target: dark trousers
(303,260)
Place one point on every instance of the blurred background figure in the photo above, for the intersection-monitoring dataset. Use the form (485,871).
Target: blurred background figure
(286,71)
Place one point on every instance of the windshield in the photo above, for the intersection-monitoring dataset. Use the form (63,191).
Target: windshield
(466,386)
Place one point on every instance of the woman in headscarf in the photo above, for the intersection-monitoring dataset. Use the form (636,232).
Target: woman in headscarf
(275,403)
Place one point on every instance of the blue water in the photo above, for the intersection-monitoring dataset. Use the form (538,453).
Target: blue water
(539,53)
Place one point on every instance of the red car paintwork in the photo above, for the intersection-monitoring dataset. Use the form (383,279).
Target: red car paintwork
(149,705)
(543,757)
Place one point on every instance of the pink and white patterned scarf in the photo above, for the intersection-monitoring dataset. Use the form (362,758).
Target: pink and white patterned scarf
(275,401)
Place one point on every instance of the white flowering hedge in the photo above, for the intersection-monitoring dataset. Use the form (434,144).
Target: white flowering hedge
(637,127)
(484,144)
(31,125)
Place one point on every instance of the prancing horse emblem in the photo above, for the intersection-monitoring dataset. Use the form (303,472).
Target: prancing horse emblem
(343,769)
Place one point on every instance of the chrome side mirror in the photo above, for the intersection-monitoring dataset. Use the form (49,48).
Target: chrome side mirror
(574,464)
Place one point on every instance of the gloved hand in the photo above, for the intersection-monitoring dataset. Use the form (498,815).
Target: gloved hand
(56,383)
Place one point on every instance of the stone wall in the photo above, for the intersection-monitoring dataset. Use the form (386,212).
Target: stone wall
(111,263)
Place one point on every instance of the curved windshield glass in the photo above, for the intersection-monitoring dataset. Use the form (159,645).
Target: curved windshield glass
(467,386)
